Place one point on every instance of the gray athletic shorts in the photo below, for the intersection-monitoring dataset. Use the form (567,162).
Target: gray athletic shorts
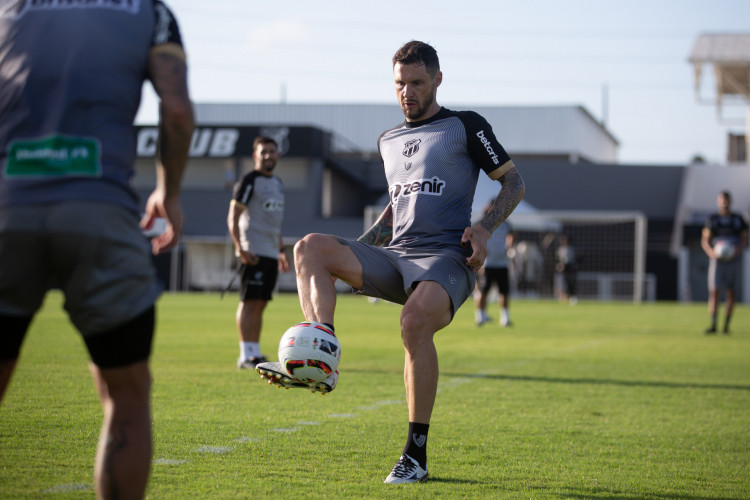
(392,274)
(94,252)
(724,275)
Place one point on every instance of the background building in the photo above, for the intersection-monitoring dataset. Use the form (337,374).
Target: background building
(332,173)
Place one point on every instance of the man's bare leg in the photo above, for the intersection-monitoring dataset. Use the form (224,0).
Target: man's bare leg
(713,308)
(318,258)
(123,459)
(427,311)
(728,308)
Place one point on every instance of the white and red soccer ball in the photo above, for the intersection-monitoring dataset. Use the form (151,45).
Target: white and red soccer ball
(309,352)
(724,250)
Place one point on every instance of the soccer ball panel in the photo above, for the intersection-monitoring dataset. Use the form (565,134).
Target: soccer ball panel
(724,250)
(309,352)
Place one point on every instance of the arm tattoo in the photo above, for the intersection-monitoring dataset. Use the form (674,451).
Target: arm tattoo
(511,192)
(382,231)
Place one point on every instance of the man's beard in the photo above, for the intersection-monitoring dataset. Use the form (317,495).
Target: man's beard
(269,167)
(421,109)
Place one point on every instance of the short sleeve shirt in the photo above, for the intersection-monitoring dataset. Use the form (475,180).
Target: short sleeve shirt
(260,222)
(432,167)
(726,227)
(72,75)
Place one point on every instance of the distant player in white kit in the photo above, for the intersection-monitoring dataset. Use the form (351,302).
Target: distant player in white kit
(422,252)
(254,221)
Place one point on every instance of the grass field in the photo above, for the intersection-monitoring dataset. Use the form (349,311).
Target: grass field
(601,400)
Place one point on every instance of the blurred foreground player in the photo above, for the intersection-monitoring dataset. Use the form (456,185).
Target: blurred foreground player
(422,251)
(70,86)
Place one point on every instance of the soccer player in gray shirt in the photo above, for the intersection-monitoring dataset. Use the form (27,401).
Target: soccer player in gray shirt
(422,251)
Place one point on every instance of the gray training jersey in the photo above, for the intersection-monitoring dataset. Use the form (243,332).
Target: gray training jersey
(432,167)
(260,223)
(70,86)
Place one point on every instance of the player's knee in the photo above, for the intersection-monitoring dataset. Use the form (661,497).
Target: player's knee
(303,248)
(416,326)
(311,248)
(253,307)
(127,387)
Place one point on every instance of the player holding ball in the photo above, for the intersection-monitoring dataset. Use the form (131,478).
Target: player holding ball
(724,238)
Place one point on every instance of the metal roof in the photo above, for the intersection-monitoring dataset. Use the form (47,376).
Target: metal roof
(721,48)
(569,131)
(730,56)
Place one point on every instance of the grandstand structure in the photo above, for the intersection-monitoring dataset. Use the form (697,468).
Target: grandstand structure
(728,55)
(331,172)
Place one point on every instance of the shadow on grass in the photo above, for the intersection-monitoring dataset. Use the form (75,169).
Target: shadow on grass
(581,381)
(592,381)
(592,493)
(452,480)
(614,495)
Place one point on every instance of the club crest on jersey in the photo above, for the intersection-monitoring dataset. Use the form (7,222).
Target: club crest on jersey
(411,147)
(432,187)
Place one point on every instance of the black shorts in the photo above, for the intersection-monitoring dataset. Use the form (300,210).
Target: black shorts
(498,276)
(258,281)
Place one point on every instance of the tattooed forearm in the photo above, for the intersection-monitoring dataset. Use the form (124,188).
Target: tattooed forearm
(382,231)
(511,192)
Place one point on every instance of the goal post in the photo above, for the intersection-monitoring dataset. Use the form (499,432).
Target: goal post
(611,246)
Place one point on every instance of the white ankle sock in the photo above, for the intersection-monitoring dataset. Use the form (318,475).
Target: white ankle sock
(249,350)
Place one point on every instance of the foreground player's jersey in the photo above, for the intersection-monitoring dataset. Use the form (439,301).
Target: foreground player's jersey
(260,223)
(432,168)
(70,87)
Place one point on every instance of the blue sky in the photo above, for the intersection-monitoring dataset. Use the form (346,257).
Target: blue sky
(625,62)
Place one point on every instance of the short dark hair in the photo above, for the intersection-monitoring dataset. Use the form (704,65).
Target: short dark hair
(416,52)
(263,139)
(726,194)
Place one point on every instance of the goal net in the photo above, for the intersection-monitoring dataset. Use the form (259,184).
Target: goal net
(609,249)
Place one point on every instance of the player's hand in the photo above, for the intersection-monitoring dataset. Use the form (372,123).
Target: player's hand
(169,209)
(283,263)
(249,258)
(476,236)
